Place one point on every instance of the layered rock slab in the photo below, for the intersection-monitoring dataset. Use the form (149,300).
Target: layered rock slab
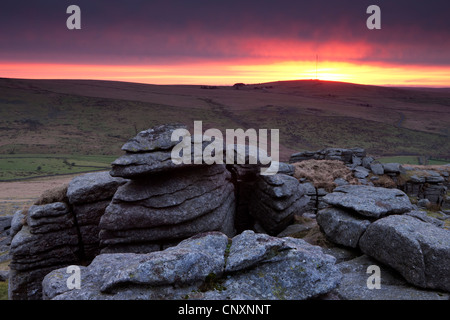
(275,200)
(44,238)
(169,207)
(270,268)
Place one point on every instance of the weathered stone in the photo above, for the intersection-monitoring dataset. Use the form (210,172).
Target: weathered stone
(92,187)
(249,248)
(361,172)
(193,269)
(392,168)
(434,192)
(303,155)
(156,138)
(298,230)
(417,179)
(220,219)
(356,161)
(50,217)
(190,261)
(366,161)
(275,201)
(171,206)
(369,201)
(340,182)
(16,222)
(424,203)
(31,251)
(90,213)
(301,272)
(422,215)
(342,227)
(286,168)
(344,155)
(377,168)
(419,251)
(392,286)
(135,165)
(28,285)
(433,177)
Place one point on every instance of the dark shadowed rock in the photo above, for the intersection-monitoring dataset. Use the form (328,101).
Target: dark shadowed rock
(275,200)
(342,227)
(392,168)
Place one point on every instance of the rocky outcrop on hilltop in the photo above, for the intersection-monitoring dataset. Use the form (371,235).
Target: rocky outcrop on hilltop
(214,229)
(427,183)
(383,227)
(139,207)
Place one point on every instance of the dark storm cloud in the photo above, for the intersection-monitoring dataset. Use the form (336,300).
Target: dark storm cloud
(137,31)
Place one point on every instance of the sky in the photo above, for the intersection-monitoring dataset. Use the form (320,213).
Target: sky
(218,42)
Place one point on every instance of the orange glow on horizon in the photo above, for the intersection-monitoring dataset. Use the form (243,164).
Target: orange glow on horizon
(220,73)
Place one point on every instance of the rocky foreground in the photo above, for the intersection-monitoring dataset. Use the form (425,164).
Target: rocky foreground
(152,230)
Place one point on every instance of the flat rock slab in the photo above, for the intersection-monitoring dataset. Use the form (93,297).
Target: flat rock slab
(369,201)
(260,267)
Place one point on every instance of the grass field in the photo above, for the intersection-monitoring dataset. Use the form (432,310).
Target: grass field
(410,160)
(27,166)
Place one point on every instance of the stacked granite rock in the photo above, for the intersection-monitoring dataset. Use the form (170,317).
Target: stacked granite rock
(164,203)
(381,222)
(44,238)
(276,200)
(57,234)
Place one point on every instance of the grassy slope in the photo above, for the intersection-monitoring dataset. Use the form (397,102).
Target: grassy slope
(97,117)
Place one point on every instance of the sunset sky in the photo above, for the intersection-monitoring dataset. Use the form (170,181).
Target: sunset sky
(220,42)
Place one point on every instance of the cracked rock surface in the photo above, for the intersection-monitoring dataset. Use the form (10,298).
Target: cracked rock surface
(206,266)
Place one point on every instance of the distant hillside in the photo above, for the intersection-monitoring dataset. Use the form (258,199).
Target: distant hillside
(96,117)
